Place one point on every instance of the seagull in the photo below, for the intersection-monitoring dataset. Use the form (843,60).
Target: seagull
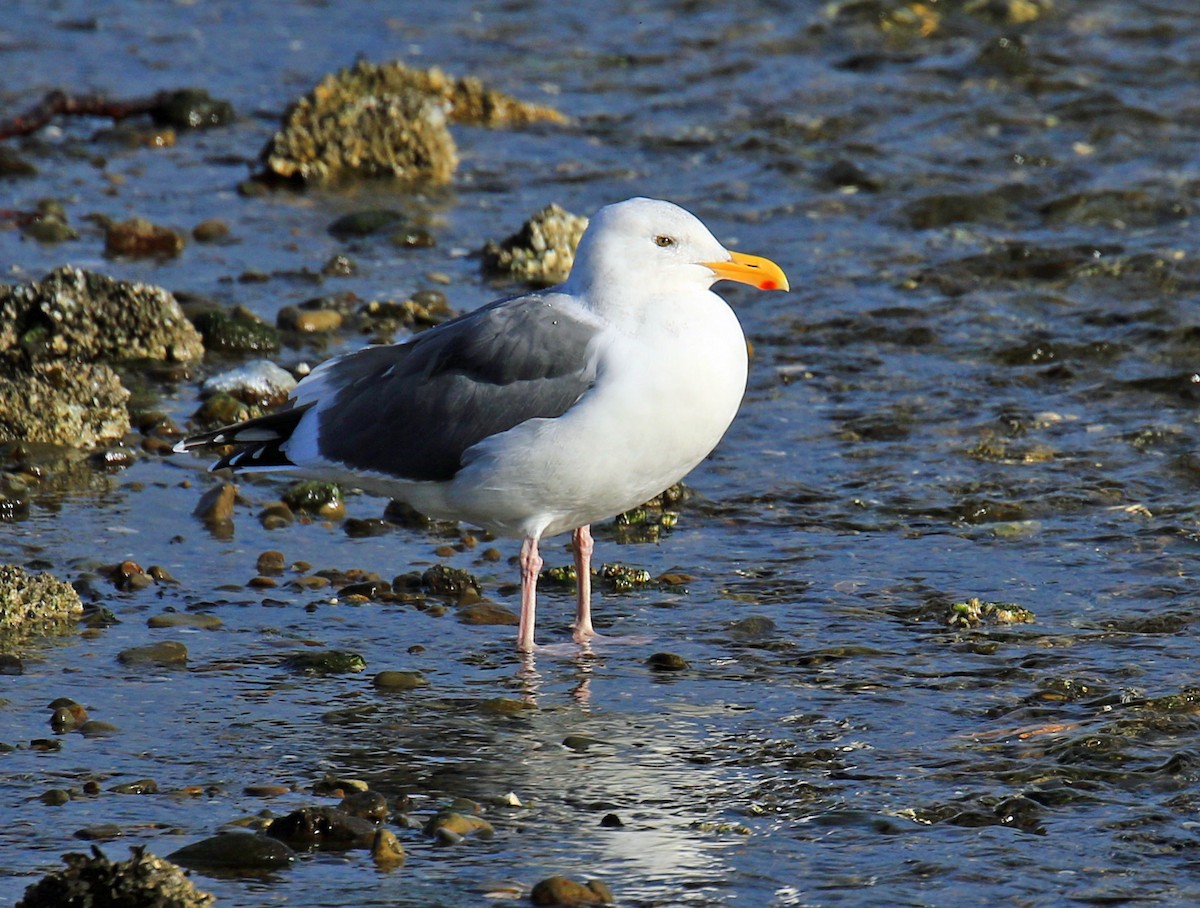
(537,414)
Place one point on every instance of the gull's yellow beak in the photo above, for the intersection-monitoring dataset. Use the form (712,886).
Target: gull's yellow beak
(750,269)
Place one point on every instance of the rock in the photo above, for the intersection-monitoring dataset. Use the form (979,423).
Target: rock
(460,824)
(344,130)
(445,581)
(364,223)
(68,718)
(387,120)
(201,620)
(95,728)
(235,851)
(138,787)
(558,890)
(270,562)
(398,681)
(35,604)
(78,404)
(216,505)
(386,850)
(192,108)
(259,382)
(143,881)
(84,316)
(168,652)
(976,613)
(323,827)
(55,797)
(236,330)
(752,629)
(213,230)
(488,613)
(667,662)
(368,805)
(314,496)
(139,238)
(309,321)
(325,662)
(541,252)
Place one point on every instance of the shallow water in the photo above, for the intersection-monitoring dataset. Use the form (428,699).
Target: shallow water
(983,385)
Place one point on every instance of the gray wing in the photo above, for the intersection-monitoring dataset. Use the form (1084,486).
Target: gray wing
(411,410)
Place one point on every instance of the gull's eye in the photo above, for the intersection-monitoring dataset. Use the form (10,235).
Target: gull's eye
(664,241)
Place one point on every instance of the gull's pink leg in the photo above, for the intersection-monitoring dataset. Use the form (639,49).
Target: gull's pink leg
(583,578)
(531,566)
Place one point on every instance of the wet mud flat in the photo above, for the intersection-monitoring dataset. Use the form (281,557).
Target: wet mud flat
(921,631)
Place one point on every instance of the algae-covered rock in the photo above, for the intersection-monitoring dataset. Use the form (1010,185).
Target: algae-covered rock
(541,252)
(143,881)
(35,604)
(88,316)
(978,613)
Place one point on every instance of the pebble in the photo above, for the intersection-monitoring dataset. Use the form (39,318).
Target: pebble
(459,824)
(386,850)
(667,662)
(200,620)
(559,890)
(309,321)
(168,652)
(95,728)
(216,505)
(398,680)
(487,613)
(276,516)
(369,805)
(325,662)
(213,230)
(54,797)
(270,562)
(138,238)
(137,787)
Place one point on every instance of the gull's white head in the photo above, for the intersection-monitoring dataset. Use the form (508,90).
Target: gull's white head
(647,246)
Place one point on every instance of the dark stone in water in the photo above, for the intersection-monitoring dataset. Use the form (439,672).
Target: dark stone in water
(325,662)
(235,851)
(323,827)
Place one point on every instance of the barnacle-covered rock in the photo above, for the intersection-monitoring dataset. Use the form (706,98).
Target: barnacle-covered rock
(88,316)
(65,403)
(388,120)
(542,251)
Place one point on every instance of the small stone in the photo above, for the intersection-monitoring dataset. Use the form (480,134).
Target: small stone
(315,496)
(369,805)
(95,728)
(386,850)
(213,230)
(168,652)
(309,321)
(138,238)
(67,718)
(199,620)
(139,787)
(488,613)
(270,562)
(364,223)
(559,890)
(99,832)
(667,662)
(611,821)
(54,797)
(399,681)
(275,516)
(325,662)
(460,824)
(216,505)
